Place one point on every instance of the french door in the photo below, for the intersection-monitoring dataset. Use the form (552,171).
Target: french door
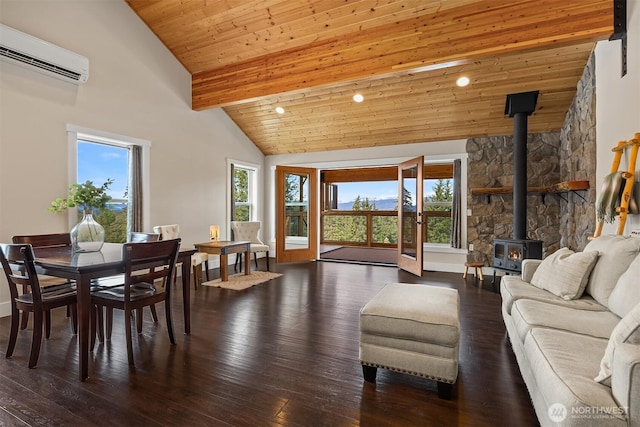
(296,214)
(410,201)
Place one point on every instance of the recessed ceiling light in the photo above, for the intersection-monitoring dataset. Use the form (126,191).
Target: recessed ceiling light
(358,97)
(279,110)
(463,81)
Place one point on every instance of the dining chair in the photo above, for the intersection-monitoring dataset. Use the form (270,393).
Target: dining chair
(44,241)
(18,263)
(107,282)
(248,230)
(148,267)
(172,231)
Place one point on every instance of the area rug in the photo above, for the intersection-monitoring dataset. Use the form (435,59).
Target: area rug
(241,281)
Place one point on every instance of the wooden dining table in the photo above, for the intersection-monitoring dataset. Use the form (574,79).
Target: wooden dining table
(85,266)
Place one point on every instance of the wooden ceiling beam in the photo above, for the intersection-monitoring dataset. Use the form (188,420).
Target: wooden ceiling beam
(454,36)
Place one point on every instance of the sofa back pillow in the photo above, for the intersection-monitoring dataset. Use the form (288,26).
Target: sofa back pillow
(627,330)
(626,294)
(565,272)
(616,254)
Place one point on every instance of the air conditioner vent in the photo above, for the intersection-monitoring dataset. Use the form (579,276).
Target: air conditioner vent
(25,59)
(38,55)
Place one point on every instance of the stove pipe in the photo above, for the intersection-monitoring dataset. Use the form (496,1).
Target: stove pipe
(520,106)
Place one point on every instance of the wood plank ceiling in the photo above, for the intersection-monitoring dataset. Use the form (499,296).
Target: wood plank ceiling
(311,56)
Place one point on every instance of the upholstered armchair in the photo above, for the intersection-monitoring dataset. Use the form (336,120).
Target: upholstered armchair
(172,231)
(248,231)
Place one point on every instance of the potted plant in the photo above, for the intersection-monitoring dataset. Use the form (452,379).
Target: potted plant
(87,235)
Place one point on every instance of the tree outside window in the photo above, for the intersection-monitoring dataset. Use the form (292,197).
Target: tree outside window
(437,210)
(243,193)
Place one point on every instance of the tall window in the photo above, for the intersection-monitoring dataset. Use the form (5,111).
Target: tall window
(102,156)
(244,194)
(438,201)
(98,163)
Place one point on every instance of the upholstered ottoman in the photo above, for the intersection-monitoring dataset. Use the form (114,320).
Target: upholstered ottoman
(413,329)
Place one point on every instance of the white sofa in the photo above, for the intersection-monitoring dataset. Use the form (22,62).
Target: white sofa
(560,342)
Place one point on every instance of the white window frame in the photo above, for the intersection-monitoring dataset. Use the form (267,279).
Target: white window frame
(75,133)
(253,189)
(446,204)
(446,247)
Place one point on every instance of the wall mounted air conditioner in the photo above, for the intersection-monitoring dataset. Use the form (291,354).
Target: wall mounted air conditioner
(38,55)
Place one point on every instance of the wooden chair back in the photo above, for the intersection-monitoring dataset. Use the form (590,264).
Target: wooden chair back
(149,262)
(44,240)
(19,268)
(139,237)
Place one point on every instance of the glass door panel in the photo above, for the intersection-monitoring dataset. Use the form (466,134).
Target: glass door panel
(296,218)
(296,211)
(410,201)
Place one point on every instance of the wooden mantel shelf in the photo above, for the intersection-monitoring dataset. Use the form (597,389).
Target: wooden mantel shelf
(562,187)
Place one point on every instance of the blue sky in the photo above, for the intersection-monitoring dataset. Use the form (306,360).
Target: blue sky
(99,162)
(348,191)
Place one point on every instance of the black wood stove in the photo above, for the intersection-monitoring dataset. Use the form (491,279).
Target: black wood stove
(509,253)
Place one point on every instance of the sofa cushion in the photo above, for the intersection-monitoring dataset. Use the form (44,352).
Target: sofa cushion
(512,288)
(528,314)
(563,365)
(626,294)
(616,254)
(627,330)
(565,272)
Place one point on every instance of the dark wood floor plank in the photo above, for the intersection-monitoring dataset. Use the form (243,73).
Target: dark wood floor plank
(283,353)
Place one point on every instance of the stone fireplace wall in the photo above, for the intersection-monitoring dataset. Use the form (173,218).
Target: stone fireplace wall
(558,220)
(578,162)
(491,165)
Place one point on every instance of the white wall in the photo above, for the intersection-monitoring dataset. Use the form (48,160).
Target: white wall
(136,88)
(435,259)
(617,104)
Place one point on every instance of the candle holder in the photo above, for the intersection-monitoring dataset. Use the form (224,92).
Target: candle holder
(214,233)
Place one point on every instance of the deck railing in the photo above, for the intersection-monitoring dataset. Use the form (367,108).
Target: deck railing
(369,228)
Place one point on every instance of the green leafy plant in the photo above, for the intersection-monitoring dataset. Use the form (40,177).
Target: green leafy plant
(86,196)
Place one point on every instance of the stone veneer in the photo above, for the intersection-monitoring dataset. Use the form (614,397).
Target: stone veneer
(578,162)
(558,220)
(491,165)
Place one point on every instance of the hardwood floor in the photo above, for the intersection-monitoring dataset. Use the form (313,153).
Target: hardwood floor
(284,353)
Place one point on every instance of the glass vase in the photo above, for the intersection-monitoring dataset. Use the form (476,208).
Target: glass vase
(87,235)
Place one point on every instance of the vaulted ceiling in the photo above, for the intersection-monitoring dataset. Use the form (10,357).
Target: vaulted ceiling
(311,56)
